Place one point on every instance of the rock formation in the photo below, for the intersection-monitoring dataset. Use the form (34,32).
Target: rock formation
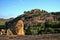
(19,27)
(32,18)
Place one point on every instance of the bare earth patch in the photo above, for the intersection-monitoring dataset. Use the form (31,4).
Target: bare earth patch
(31,37)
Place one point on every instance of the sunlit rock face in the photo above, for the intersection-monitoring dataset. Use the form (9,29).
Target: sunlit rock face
(19,27)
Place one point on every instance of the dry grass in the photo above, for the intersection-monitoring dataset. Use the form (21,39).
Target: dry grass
(31,37)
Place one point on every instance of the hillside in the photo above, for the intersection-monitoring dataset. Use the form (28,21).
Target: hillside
(57,15)
(35,16)
(37,21)
(3,21)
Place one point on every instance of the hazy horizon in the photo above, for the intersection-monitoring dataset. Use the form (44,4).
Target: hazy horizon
(13,8)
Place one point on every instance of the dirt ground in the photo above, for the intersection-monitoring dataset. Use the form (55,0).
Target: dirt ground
(31,37)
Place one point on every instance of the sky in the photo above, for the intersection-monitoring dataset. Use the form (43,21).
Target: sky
(14,8)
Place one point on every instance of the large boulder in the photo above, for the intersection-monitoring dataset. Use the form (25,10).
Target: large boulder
(15,29)
(19,27)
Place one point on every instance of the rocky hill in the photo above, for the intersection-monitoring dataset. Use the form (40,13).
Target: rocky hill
(37,21)
(35,16)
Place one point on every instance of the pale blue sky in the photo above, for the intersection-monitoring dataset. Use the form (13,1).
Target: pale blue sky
(13,8)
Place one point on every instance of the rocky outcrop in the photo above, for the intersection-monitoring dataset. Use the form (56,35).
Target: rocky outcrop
(19,27)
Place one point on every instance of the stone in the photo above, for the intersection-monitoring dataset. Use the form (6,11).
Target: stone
(9,32)
(19,27)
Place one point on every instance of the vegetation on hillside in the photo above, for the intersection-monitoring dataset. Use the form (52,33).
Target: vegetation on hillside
(38,21)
